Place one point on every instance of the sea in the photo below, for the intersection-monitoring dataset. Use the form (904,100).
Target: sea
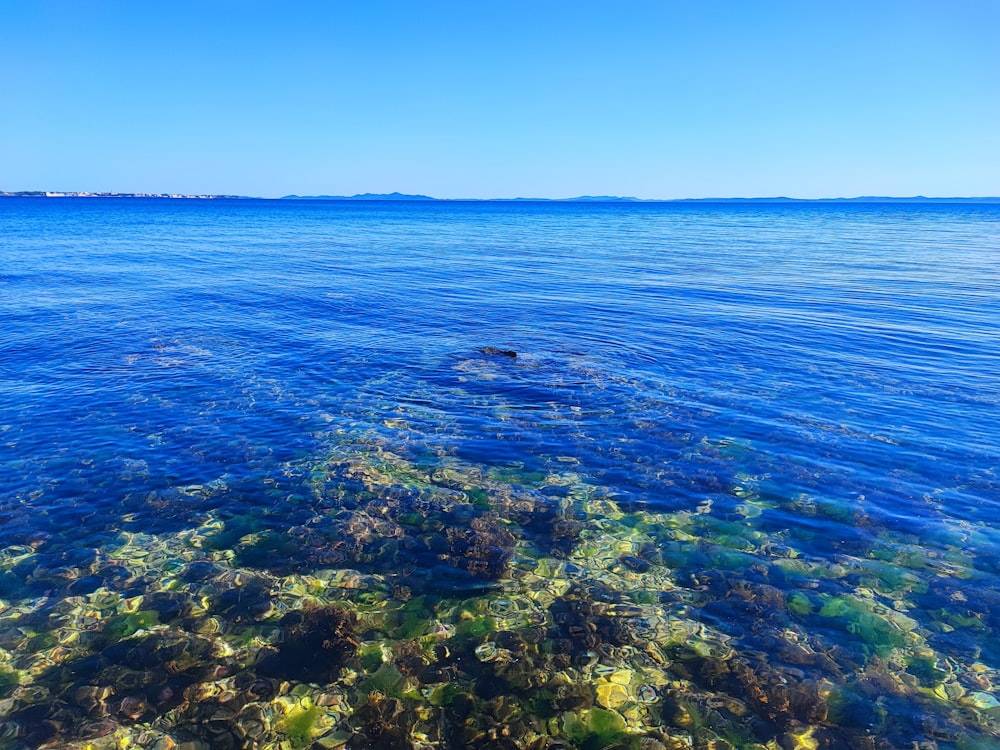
(543,475)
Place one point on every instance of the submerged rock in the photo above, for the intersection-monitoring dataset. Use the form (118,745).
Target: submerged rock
(495,352)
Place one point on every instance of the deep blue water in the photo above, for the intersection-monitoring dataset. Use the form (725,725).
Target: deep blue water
(775,425)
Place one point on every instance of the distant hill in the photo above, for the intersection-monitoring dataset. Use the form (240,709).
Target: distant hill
(361,197)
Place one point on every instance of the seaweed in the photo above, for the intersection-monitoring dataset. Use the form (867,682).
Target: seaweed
(317,643)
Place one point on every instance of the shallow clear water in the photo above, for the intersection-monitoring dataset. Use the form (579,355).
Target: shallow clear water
(739,485)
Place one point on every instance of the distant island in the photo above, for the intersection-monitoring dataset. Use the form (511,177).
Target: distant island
(425,198)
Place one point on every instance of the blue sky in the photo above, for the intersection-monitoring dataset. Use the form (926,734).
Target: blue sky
(489,99)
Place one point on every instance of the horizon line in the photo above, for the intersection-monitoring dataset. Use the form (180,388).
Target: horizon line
(403,197)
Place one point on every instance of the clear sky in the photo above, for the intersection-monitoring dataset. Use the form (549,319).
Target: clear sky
(479,98)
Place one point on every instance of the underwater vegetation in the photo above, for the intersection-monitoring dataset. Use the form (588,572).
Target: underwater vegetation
(391,592)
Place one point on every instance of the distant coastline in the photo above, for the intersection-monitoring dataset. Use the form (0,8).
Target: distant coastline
(84,194)
(403,197)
